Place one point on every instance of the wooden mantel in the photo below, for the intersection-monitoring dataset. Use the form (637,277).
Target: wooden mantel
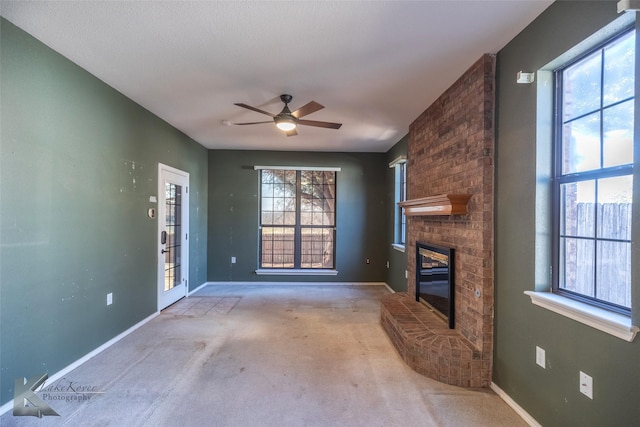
(441,204)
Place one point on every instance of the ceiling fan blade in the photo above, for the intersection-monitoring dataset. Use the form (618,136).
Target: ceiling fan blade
(316,123)
(306,109)
(249,107)
(253,123)
(292,132)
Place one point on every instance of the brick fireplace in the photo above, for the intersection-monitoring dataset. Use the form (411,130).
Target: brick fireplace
(450,151)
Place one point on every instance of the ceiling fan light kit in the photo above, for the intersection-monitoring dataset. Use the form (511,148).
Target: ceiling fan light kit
(287,121)
(285,124)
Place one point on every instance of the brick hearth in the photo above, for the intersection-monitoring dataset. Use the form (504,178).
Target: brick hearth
(450,151)
(428,346)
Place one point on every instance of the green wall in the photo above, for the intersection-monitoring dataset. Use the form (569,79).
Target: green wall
(78,164)
(361,213)
(550,395)
(397,259)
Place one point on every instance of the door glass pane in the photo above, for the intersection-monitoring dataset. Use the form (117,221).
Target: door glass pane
(173,212)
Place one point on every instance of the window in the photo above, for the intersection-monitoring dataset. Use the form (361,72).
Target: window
(593,170)
(400,220)
(402,223)
(297,219)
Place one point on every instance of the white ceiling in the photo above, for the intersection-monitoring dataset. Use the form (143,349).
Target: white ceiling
(375,66)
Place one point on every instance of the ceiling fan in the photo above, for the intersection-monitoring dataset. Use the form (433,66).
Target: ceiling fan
(287,121)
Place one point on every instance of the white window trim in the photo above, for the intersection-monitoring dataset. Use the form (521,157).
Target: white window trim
(294,272)
(398,247)
(609,322)
(399,159)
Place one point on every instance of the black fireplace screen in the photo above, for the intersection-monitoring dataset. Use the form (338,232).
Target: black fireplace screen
(434,279)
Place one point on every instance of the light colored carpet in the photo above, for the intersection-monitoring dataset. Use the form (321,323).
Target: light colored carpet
(266,355)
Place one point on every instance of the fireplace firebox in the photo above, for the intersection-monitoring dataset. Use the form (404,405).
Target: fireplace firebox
(435,279)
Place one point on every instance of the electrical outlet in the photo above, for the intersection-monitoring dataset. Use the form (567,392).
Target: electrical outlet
(387,264)
(540,357)
(368,261)
(406,274)
(233,260)
(586,385)
(109,298)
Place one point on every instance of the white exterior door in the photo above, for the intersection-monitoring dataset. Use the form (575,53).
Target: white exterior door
(173,235)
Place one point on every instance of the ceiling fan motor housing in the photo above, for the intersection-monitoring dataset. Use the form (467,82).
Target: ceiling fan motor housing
(286,98)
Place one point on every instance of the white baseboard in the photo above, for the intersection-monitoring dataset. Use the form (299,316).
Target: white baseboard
(517,408)
(389,288)
(293,284)
(198,288)
(60,374)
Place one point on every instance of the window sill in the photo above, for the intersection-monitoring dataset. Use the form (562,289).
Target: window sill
(295,272)
(611,323)
(398,247)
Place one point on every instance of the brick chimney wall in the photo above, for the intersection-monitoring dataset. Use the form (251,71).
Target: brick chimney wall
(451,150)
